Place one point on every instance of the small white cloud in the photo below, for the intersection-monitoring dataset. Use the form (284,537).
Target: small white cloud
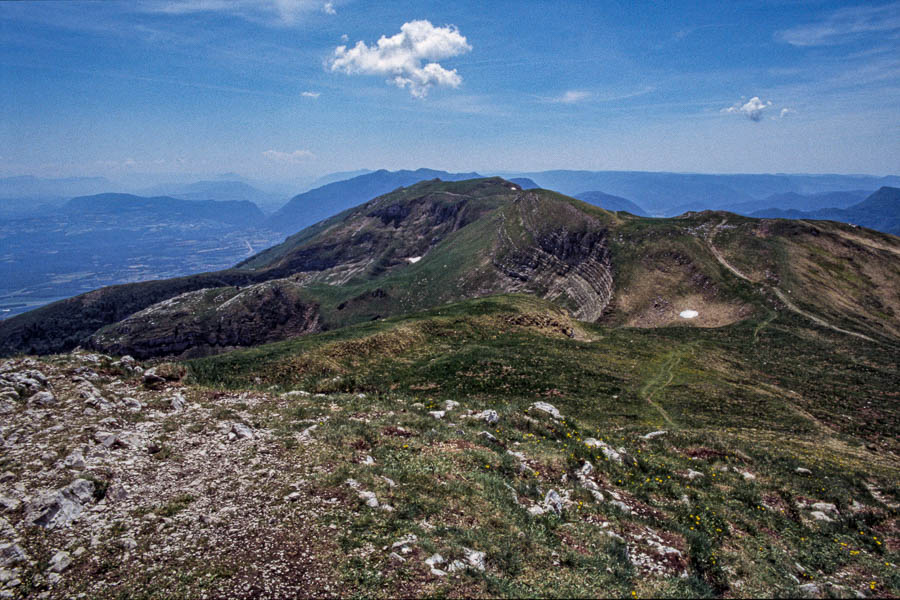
(400,57)
(312,95)
(328,8)
(345,37)
(572,96)
(291,158)
(786,111)
(752,109)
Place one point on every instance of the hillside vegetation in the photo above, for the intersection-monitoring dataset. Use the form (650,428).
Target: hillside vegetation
(438,242)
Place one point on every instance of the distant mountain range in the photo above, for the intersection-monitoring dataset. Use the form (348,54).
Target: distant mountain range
(315,205)
(613,203)
(880,211)
(434,242)
(671,194)
(127,206)
(27,186)
(221,191)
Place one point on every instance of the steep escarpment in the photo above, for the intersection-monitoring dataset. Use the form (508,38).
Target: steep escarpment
(568,262)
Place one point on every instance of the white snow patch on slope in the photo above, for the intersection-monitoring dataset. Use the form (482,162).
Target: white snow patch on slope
(414,259)
(688,314)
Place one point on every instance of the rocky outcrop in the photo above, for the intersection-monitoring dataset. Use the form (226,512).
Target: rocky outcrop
(570,262)
(213,320)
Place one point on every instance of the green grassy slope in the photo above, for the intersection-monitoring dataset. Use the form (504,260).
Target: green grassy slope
(743,405)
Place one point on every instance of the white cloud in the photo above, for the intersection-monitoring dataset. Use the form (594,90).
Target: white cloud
(845,25)
(786,111)
(328,8)
(292,158)
(345,37)
(400,57)
(572,96)
(312,95)
(752,109)
(273,12)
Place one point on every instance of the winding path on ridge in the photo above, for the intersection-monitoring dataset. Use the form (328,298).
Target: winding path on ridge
(658,382)
(781,295)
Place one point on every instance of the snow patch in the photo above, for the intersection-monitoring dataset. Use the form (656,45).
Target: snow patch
(414,259)
(688,314)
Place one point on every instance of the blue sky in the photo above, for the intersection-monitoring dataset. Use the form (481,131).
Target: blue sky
(279,89)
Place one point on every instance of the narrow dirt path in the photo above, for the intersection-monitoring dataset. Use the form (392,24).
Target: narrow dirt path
(663,377)
(781,295)
(763,324)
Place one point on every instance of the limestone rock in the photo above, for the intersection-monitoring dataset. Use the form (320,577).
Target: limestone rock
(60,562)
(489,416)
(11,554)
(548,408)
(42,399)
(59,508)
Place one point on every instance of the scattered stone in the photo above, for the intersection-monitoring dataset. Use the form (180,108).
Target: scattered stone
(475,558)
(433,561)
(7,476)
(825,507)
(177,403)
(9,504)
(128,543)
(621,506)
(389,481)
(820,516)
(369,498)
(489,437)
(151,380)
(59,508)
(548,408)
(42,399)
(535,511)
(106,438)
(747,475)
(802,471)
(293,497)
(450,405)
(368,461)
(132,404)
(606,449)
(405,541)
(306,434)
(489,416)
(11,554)
(437,414)
(691,475)
(75,460)
(240,431)
(60,562)
(654,435)
(553,501)
(810,589)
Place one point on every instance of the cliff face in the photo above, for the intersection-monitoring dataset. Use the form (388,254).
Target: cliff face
(567,263)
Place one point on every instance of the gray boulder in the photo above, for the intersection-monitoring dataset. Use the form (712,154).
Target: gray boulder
(11,554)
(59,508)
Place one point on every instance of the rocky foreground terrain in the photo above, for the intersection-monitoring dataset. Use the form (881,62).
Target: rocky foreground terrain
(121,480)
